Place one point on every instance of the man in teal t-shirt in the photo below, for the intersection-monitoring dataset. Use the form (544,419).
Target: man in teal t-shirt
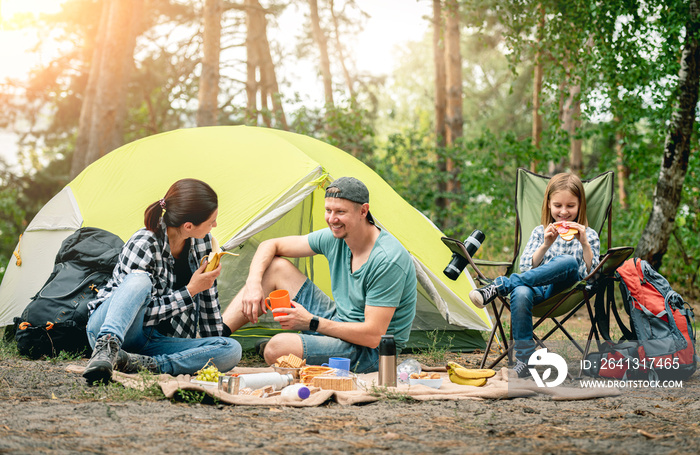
(373,281)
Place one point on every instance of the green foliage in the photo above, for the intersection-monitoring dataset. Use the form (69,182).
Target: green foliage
(384,393)
(21,197)
(485,173)
(436,352)
(10,225)
(8,347)
(190,396)
(149,389)
(347,126)
(64,356)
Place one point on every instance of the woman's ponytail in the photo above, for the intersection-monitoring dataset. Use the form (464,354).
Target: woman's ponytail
(187,200)
(151,217)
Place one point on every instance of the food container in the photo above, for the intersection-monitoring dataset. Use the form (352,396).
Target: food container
(234,383)
(434,383)
(229,384)
(293,371)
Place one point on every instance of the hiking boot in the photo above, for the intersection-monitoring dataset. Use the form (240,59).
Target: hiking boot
(483,296)
(132,363)
(260,347)
(522,370)
(104,356)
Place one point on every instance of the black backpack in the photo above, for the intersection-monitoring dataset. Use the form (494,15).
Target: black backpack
(56,317)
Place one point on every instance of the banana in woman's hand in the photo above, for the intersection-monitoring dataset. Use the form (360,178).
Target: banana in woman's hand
(467,376)
(214,258)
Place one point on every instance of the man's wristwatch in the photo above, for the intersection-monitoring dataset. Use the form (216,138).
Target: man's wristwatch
(313,324)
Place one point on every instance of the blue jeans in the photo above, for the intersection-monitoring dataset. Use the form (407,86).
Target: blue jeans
(529,288)
(121,316)
(319,348)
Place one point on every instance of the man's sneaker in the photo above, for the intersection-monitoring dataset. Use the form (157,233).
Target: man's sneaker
(104,356)
(522,370)
(132,363)
(260,347)
(483,296)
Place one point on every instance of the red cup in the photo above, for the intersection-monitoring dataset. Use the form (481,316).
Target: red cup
(278,299)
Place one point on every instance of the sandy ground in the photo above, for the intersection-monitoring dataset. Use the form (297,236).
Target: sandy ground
(44,409)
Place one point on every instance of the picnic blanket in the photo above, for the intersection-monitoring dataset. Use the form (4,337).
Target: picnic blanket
(498,387)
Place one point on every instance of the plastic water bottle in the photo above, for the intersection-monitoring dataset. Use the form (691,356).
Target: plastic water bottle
(296,392)
(407,367)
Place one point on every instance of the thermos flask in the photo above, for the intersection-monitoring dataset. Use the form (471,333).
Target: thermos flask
(387,361)
(458,263)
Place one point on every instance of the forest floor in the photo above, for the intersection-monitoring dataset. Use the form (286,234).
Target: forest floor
(45,409)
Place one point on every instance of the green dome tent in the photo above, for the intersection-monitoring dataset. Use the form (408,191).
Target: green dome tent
(270,183)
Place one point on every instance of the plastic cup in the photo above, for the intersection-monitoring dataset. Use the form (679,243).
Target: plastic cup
(341,364)
(278,299)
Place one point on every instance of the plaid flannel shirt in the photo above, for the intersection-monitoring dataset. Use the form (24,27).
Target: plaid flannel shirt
(559,247)
(175,312)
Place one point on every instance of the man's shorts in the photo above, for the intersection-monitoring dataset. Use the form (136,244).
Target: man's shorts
(318,348)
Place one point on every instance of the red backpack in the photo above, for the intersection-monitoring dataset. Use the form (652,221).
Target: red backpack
(660,343)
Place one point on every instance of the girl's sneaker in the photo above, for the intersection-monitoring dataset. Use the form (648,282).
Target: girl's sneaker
(483,296)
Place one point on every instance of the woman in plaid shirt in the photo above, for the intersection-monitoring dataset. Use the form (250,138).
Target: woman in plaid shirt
(548,264)
(159,298)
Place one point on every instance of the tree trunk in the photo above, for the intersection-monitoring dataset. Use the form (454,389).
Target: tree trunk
(654,240)
(252,62)
(575,156)
(570,117)
(264,94)
(537,90)
(103,125)
(454,119)
(207,111)
(440,100)
(621,169)
(79,159)
(349,81)
(269,83)
(566,117)
(261,76)
(322,44)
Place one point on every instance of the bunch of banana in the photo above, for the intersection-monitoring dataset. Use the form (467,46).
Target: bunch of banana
(466,376)
(215,256)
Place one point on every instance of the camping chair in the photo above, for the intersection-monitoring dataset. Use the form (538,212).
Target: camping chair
(529,195)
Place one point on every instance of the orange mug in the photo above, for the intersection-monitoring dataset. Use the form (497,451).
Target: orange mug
(278,299)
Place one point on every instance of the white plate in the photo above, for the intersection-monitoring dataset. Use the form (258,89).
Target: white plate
(204,383)
(434,383)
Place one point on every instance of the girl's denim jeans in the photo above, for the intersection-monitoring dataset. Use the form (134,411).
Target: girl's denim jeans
(529,288)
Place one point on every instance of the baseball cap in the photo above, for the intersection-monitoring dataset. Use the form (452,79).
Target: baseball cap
(351,189)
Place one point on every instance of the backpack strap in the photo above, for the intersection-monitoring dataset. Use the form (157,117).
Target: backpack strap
(604,306)
(627,333)
(602,315)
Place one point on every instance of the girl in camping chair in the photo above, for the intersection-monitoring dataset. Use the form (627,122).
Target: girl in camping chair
(556,256)
(160,298)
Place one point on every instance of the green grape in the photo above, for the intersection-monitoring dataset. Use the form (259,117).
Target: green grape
(209,373)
